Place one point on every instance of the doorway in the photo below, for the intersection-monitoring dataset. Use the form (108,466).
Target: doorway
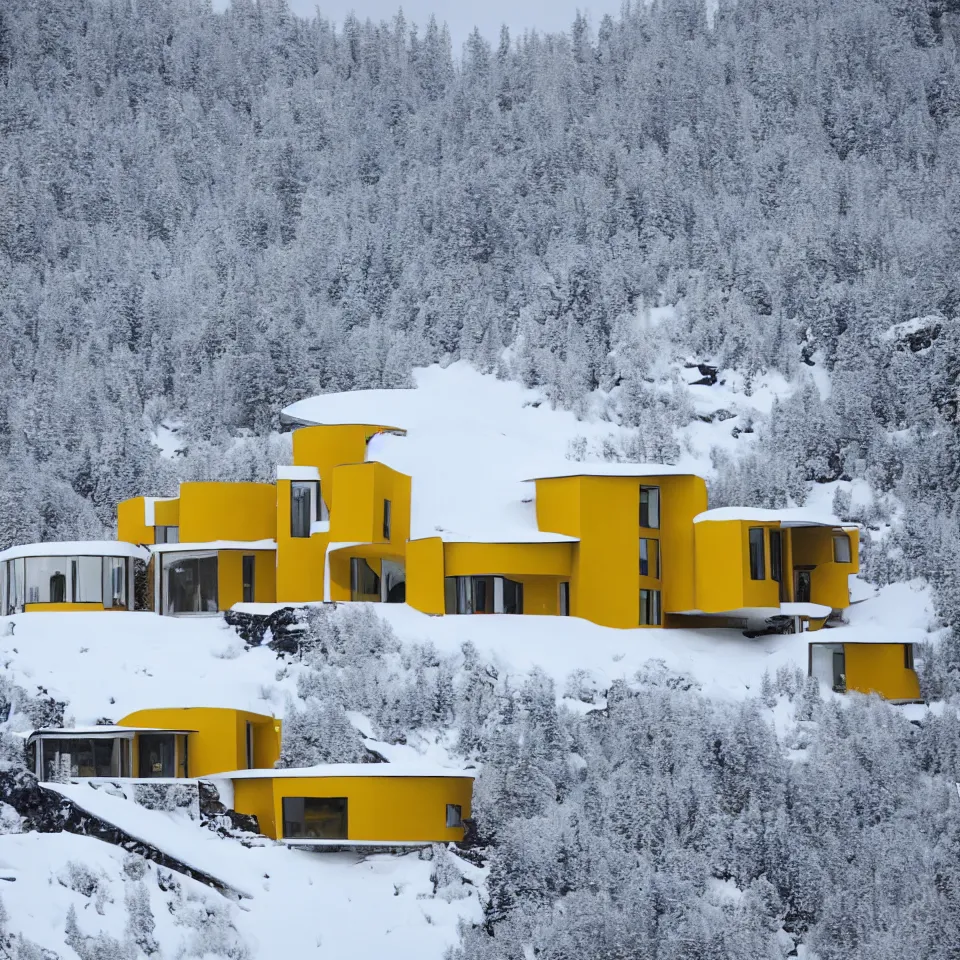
(801,584)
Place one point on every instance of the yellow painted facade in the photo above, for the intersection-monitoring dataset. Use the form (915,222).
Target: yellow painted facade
(880,668)
(222,739)
(379,809)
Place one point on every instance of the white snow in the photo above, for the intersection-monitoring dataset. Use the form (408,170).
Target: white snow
(787,517)
(907,327)
(575,469)
(76,548)
(351,770)
(213,545)
(298,473)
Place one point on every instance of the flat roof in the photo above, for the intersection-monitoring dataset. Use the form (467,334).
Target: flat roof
(213,545)
(369,408)
(346,770)
(76,548)
(786,517)
(110,731)
(608,469)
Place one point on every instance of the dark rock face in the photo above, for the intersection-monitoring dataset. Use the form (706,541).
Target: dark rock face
(216,816)
(46,811)
(278,630)
(708,374)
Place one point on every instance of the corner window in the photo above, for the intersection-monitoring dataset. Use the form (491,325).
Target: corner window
(841,549)
(649,608)
(650,507)
(386,519)
(49,580)
(757,562)
(166,534)
(304,501)
(649,558)
(454,818)
(315,818)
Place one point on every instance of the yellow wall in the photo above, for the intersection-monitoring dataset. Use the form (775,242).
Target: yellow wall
(64,607)
(541,595)
(227,511)
(558,505)
(425,575)
(299,559)
(230,576)
(219,745)
(757,593)
(829,583)
(719,566)
(879,668)
(509,559)
(131,526)
(360,490)
(379,809)
(255,797)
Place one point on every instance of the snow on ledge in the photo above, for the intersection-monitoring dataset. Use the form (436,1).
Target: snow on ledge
(383,408)
(319,526)
(213,545)
(77,548)
(787,517)
(298,473)
(350,770)
(612,469)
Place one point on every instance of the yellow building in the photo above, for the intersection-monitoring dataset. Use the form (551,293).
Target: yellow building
(883,668)
(366,804)
(166,743)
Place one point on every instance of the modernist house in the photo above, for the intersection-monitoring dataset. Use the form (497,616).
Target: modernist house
(167,743)
(359,804)
(80,575)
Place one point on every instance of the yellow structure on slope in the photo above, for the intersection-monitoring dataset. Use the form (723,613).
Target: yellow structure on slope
(165,743)
(364,804)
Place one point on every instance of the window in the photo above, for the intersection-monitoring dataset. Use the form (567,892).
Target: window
(157,755)
(908,656)
(757,564)
(649,608)
(828,665)
(364,581)
(841,549)
(386,519)
(249,566)
(314,818)
(166,534)
(15,585)
(776,556)
(649,558)
(454,815)
(115,583)
(87,574)
(304,501)
(94,757)
(393,582)
(250,750)
(483,595)
(650,507)
(190,584)
(49,580)
(565,599)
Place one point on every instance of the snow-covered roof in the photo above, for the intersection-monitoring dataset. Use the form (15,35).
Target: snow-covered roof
(76,548)
(109,730)
(381,408)
(297,473)
(213,545)
(606,469)
(787,517)
(349,770)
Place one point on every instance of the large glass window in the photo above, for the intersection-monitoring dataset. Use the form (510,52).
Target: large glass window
(483,595)
(93,757)
(828,664)
(841,549)
(115,587)
(757,564)
(166,534)
(364,581)
(87,576)
(649,558)
(306,506)
(650,507)
(649,608)
(158,755)
(190,584)
(49,580)
(315,818)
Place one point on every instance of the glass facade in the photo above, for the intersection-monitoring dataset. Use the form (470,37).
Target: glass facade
(190,584)
(78,579)
(315,818)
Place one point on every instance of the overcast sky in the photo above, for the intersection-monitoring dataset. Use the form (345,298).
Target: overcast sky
(544,15)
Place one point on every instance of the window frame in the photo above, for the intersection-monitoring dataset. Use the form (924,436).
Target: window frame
(645,548)
(457,823)
(249,583)
(651,613)
(776,554)
(344,812)
(758,565)
(312,488)
(649,506)
(563,600)
(166,536)
(842,538)
(387,518)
